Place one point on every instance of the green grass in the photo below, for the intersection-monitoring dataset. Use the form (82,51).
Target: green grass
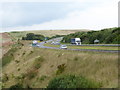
(94,47)
(51,45)
(86,47)
(8,57)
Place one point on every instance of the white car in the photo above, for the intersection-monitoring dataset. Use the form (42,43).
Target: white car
(63,47)
(38,45)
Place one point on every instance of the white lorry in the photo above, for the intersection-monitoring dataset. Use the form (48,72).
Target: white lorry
(76,41)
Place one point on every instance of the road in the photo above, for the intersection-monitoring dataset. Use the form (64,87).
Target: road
(41,45)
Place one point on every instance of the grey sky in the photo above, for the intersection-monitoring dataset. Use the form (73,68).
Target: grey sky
(57,15)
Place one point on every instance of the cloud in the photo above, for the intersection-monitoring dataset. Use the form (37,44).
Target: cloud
(25,14)
(104,15)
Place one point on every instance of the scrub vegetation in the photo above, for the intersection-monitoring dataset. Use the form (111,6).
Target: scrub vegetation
(46,67)
(105,36)
(72,81)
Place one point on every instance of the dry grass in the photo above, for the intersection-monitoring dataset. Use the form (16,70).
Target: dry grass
(48,33)
(101,67)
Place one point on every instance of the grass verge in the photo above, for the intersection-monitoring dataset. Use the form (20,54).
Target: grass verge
(86,47)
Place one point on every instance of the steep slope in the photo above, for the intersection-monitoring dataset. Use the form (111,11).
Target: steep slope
(34,67)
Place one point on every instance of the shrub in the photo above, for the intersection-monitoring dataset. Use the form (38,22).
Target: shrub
(59,55)
(105,36)
(76,58)
(5,78)
(51,66)
(38,61)
(31,73)
(16,87)
(42,78)
(71,81)
(20,78)
(17,61)
(60,69)
(18,69)
(30,52)
(23,53)
(32,36)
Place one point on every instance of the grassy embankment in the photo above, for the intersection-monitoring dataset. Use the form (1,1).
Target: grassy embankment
(35,67)
(86,47)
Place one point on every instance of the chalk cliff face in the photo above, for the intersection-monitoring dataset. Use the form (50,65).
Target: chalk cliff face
(5,43)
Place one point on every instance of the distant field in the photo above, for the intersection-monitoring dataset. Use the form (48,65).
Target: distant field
(86,47)
(47,33)
(50,33)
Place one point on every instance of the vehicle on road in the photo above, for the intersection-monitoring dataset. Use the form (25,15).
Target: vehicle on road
(76,41)
(63,47)
(38,45)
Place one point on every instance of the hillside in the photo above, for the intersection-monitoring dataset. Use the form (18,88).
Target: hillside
(5,43)
(35,67)
(105,36)
(47,33)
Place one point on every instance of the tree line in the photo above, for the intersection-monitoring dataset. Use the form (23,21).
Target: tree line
(105,36)
(32,36)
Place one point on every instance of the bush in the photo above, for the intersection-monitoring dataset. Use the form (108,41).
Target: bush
(5,78)
(32,36)
(31,74)
(17,61)
(16,87)
(105,36)
(42,78)
(38,61)
(30,52)
(76,59)
(23,53)
(71,81)
(60,69)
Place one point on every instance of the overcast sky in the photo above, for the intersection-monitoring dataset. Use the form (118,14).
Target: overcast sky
(67,14)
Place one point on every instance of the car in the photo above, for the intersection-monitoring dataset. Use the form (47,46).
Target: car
(52,42)
(38,45)
(63,47)
(57,43)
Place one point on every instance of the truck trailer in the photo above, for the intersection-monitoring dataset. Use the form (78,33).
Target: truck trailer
(76,41)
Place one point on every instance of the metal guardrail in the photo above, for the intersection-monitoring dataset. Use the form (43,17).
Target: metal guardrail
(117,45)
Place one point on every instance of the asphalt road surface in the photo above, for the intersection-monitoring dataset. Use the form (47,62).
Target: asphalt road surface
(41,45)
